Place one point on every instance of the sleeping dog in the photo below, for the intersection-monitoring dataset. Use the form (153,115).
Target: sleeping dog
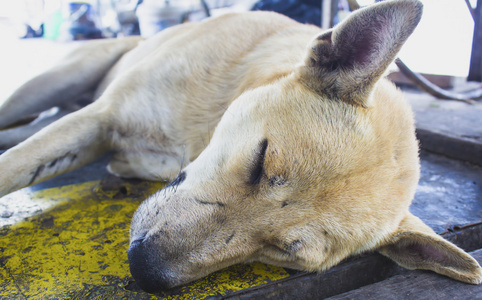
(298,152)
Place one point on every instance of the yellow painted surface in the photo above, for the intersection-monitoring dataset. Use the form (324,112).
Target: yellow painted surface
(77,250)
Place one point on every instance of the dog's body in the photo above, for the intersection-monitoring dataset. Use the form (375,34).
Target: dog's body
(298,157)
(175,112)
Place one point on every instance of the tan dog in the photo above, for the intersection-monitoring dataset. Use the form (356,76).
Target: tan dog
(299,157)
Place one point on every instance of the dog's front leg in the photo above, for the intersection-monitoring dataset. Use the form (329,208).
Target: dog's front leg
(67,144)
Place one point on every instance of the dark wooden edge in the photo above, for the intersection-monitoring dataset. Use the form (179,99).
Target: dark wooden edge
(460,148)
(418,284)
(349,275)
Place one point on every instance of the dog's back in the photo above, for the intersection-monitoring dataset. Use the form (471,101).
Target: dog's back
(194,78)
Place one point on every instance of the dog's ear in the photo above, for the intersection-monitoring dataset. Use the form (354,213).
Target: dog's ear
(345,62)
(415,246)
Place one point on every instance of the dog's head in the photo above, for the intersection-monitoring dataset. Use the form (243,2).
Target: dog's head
(304,172)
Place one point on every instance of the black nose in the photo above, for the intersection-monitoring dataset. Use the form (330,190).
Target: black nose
(146,265)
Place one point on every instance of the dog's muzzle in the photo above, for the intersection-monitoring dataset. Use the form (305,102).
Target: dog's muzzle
(147,266)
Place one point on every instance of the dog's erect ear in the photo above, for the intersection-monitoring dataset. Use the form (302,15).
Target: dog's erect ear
(345,62)
(415,246)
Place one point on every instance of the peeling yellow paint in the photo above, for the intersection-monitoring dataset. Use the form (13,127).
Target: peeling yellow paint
(77,250)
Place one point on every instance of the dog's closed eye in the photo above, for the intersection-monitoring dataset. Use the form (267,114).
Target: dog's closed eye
(257,167)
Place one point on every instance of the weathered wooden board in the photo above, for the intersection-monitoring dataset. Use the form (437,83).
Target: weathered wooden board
(418,285)
(450,128)
(350,275)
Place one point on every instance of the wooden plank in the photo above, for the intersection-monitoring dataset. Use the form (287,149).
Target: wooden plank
(352,274)
(447,127)
(465,148)
(448,194)
(418,285)
(342,278)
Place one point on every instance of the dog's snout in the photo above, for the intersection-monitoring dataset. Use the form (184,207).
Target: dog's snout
(147,267)
(137,241)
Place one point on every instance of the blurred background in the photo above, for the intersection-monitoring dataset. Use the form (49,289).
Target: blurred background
(441,44)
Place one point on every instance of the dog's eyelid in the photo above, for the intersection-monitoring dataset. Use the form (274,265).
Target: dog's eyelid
(257,168)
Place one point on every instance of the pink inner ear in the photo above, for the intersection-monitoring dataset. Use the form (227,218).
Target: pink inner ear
(360,47)
(428,253)
(365,49)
